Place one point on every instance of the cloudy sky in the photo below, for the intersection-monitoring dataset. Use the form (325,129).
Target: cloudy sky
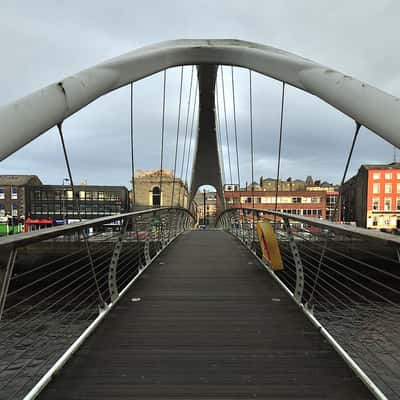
(43,42)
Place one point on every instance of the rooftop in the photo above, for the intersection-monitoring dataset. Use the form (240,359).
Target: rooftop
(17,180)
(393,165)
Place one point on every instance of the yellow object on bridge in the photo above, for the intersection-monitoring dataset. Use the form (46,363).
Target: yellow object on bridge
(269,245)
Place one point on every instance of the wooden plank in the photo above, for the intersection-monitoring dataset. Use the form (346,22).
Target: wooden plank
(210,323)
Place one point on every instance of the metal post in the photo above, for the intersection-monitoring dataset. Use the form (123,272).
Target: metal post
(204,207)
(5,279)
(298,293)
(103,304)
(112,269)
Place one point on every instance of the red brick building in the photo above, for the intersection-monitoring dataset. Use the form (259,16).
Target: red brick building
(372,197)
(306,203)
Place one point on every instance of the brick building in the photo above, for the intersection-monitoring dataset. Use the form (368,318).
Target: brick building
(371,198)
(307,203)
(13,201)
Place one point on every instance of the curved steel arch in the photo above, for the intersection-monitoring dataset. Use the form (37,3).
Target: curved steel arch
(27,118)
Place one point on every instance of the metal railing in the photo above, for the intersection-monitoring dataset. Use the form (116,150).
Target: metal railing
(347,281)
(57,284)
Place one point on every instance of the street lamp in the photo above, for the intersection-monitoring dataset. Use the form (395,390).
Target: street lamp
(63,200)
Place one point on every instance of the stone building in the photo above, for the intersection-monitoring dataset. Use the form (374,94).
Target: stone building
(152,191)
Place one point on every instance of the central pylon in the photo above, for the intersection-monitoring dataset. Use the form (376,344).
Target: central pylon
(206,166)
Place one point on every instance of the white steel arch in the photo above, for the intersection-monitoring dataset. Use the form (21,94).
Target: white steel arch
(30,116)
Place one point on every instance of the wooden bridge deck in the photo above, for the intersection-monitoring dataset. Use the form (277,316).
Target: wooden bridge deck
(211,323)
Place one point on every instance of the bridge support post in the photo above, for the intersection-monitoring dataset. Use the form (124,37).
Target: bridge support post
(206,166)
(298,293)
(112,270)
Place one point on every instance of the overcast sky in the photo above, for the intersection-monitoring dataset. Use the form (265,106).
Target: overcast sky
(43,42)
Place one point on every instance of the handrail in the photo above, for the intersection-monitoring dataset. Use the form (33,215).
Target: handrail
(23,239)
(53,296)
(332,226)
(350,289)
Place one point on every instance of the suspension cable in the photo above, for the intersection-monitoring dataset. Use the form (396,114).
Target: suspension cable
(358,127)
(226,124)
(132,152)
(278,169)
(77,203)
(59,126)
(235,126)
(162,134)
(357,130)
(177,138)
(186,129)
(221,153)
(251,148)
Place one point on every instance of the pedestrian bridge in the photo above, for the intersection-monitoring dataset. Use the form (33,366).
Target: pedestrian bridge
(142,305)
(155,309)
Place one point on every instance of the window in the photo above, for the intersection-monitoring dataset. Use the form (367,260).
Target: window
(375,221)
(315,199)
(14,210)
(398,175)
(397,187)
(376,175)
(296,199)
(14,193)
(101,196)
(248,200)
(398,204)
(2,211)
(388,175)
(388,188)
(375,188)
(375,203)
(156,197)
(2,193)
(388,204)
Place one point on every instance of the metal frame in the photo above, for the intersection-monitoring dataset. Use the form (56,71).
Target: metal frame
(298,292)
(112,269)
(338,348)
(23,239)
(45,380)
(5,281)
(343,229)
(27,118)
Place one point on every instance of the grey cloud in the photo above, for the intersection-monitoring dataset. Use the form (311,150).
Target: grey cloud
(44,42)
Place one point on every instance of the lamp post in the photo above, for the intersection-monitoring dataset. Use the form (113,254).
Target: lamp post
(63,199)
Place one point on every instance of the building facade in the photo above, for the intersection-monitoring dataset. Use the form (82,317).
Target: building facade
(206,207)
(371,198)
(55,204)
(307,203)
(13,201)
(153,189)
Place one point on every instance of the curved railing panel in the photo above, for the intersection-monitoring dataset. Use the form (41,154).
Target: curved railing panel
(345,278)
(57,284)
